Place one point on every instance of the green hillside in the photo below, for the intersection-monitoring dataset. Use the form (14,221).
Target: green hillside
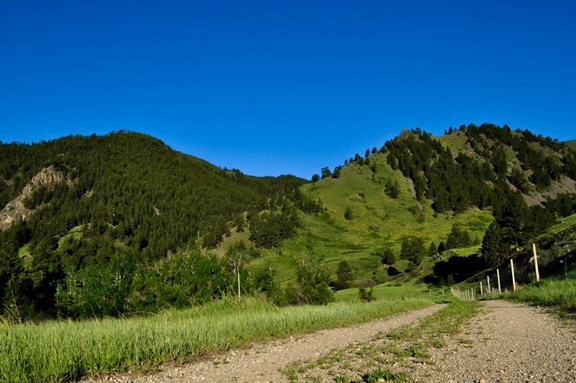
(378,222)
(464,179)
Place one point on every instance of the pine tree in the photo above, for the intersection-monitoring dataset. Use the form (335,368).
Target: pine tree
(494,249)
(344,275)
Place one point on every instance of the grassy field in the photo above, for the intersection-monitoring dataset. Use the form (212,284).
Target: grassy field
(558,292)
(64,351)
(563,224)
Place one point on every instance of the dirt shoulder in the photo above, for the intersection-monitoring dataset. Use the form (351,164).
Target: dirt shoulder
(262,362)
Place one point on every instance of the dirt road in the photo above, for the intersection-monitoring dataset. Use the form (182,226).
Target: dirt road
(509,343)
(506,342)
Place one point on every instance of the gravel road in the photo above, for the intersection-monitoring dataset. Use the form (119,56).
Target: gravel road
(261,362)
(505,343)
(509,343)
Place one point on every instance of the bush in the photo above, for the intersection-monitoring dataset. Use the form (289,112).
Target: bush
(389,257)
(348,214)
(365,295)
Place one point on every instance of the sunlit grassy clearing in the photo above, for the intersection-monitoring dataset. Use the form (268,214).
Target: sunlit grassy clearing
(63,351)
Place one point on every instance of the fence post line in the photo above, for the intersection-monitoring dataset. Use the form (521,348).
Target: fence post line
(513,277)
(536,262)
(498,276)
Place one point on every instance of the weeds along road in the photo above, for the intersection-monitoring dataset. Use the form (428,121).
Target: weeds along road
(505,342)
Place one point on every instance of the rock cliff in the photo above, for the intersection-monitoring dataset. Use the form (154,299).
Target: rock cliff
(15,210)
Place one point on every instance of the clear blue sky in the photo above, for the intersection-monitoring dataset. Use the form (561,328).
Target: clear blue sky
(275,87)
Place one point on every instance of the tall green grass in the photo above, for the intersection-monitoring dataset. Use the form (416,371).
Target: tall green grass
(64,351)
(550,292)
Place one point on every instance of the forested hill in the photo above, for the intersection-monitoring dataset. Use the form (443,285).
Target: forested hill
(74,201)
(132,187)
(475,165)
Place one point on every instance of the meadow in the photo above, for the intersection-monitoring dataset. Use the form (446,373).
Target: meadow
(61,351)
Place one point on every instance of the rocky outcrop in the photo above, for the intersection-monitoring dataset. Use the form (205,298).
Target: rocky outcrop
(15,211)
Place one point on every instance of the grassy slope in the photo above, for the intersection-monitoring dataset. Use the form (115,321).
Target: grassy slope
(388,291)
(378,222)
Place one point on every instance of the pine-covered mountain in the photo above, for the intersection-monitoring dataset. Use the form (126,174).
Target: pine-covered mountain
(104,225)
(74,202)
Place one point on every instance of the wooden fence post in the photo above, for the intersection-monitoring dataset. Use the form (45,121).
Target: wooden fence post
(481,289)
(488,279)
(498,276)
(513,277)
(536,262)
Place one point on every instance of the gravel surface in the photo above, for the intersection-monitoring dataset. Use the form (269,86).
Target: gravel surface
(507,342)
(261,362)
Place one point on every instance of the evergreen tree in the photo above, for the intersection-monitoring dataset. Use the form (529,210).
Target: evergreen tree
(389,257)
(494,248)
(458,237)
(326,173)
(344,275)
(392,189)
(337,171)
(348,214)
(413,250)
